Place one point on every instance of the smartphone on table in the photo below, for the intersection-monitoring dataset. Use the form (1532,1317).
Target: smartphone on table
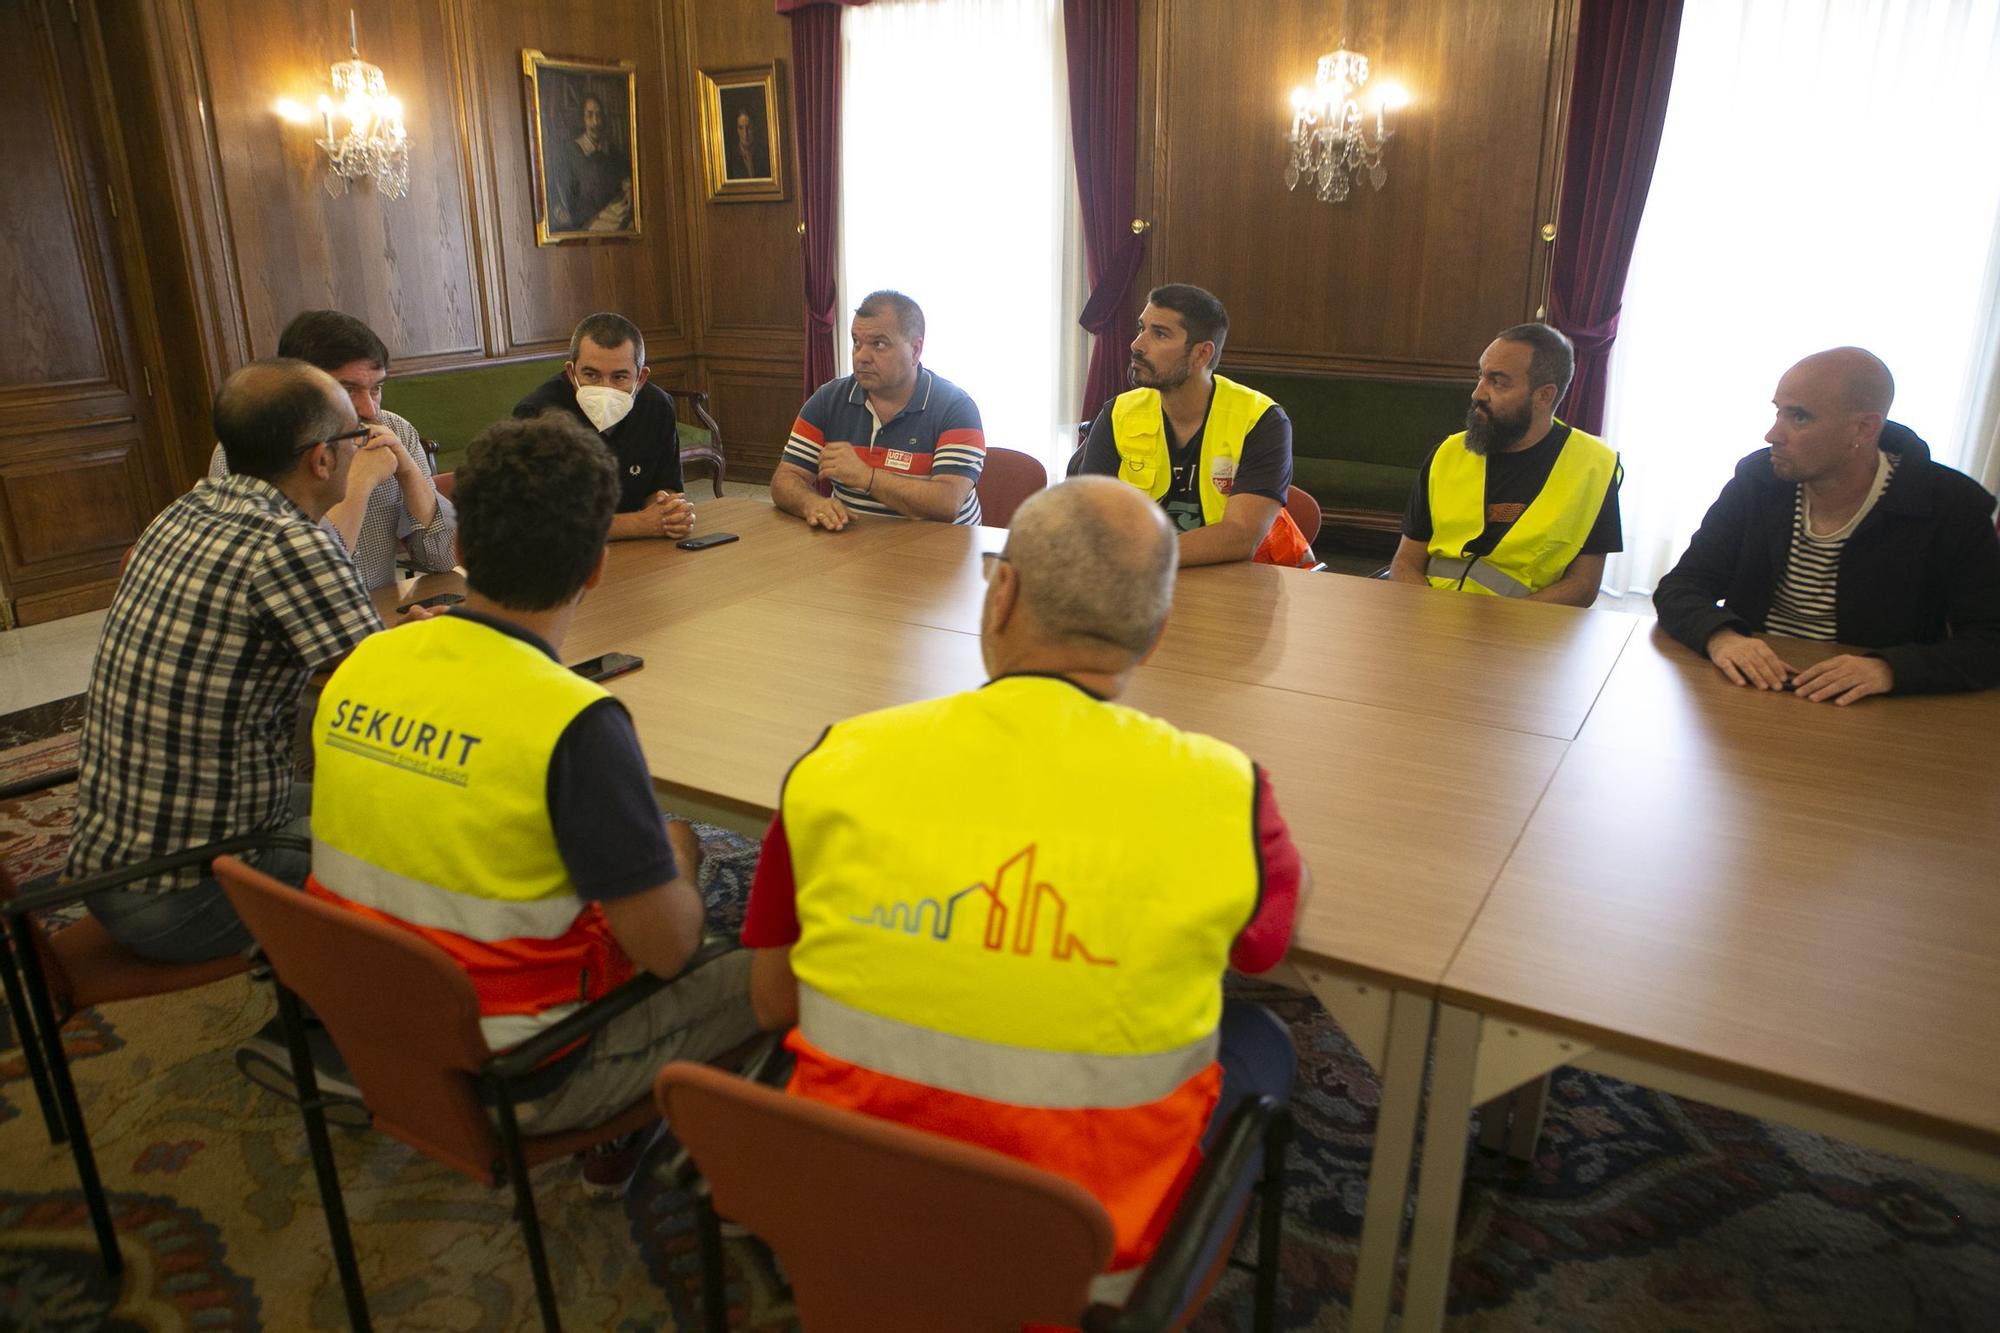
(706,540)
(610,664)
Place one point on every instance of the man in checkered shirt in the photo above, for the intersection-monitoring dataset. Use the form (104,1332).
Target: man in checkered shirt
(234,596)
(392,501)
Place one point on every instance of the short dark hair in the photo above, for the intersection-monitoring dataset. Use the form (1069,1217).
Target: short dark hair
(535,499)
(609,331)
(909,315)
(1204,316)
(328,339)
(269,411)
(1552,358)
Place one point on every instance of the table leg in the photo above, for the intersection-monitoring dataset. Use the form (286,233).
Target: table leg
(1441,1178)
(1402,1075)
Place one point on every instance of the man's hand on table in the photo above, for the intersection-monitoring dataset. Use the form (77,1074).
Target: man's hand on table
(1844,679)
(1748,661)
(823,511)
(665,514)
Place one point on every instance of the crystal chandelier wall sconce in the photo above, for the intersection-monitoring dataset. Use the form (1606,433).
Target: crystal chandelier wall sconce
(1330,143)
(373,145)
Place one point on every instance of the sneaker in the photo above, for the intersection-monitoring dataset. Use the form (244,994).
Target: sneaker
(610,1168)
(266,1061)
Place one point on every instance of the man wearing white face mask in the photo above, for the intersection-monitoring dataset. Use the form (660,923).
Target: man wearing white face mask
(604,385)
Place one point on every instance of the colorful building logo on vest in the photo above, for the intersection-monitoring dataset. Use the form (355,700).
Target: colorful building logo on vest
(1038,911)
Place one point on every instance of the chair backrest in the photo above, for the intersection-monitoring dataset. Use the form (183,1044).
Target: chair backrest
(880,1226)
(444,481)
(1305,512)
(1007,478)
(401,1012)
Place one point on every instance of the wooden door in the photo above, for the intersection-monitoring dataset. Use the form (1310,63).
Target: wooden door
(81,465)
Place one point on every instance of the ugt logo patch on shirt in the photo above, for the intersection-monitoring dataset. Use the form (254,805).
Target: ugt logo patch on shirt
(1222,475)
(899,460)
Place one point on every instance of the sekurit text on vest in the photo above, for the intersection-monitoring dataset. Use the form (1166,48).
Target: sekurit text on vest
(400,741)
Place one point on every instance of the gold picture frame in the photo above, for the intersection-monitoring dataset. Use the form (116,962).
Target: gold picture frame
(742,134)
(585,182)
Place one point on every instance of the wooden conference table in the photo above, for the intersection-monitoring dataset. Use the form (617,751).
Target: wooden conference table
(1531,811)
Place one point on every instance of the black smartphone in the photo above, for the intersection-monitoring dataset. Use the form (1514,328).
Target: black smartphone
(706,540)
(607,666)
(436,599)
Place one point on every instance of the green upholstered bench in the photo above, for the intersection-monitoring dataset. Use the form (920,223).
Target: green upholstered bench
(1357,445)
(450,407)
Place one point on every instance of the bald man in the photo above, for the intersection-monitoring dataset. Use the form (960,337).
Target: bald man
(1843,530)
(233,597)
(1009,964)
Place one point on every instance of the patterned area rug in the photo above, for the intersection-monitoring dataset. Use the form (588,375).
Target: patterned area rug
(1639,1212)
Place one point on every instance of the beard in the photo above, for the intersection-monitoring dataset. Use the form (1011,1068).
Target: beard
(1139,376)
(1487,433)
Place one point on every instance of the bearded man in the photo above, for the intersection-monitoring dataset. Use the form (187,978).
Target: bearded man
(1519,503)
(1214,454)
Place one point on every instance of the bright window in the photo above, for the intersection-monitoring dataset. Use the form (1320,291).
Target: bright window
(1827,176)
(957,189)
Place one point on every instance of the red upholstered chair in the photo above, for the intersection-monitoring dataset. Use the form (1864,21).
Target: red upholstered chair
(406,1023)
(444,481)
(1007,478)
(1305,512)
(55,974)
(880,1226)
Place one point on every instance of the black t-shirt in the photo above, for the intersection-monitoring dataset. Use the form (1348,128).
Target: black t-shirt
(1264,469)
(648,449)
(1512,483)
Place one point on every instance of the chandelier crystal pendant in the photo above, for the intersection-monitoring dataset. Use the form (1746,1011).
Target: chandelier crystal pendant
(375,145)
(1330,143)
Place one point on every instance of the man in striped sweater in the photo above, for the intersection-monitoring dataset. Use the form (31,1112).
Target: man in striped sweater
(1843,530)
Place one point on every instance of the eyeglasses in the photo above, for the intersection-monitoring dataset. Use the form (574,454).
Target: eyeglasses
(990,561)
(358,434)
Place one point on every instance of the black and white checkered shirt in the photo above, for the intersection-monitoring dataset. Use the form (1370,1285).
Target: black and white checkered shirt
(232,599)
(386,524)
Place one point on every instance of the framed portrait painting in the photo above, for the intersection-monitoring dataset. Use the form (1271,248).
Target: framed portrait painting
(741,137)
(584,144)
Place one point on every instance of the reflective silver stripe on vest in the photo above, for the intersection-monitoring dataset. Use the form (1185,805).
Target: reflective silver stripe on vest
(504,1030)
(434,908)
(1488,576)
(1058,1080)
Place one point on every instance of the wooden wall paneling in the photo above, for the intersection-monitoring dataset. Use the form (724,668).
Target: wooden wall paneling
(1410,281)
(80,465)
(403,265)
(1555,147)
(545,290)
(755,402)
(748,264)
(751,264)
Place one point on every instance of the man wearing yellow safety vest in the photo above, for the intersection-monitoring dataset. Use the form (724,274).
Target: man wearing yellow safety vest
(1216,455)
(537,858)
(969,948)
(1518,504)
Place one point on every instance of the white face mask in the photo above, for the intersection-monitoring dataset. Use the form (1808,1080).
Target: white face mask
(605,406)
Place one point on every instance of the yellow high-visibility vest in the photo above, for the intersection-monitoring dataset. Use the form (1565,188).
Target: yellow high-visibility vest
(1543,541)
(430,810)
(969,925)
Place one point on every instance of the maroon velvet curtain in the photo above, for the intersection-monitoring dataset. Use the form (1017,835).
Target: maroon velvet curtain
(815,28)
(1103,41)
(1624,68)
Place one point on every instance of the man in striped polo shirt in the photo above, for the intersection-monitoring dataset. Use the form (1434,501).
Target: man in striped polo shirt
(892,438)
(1843,530)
